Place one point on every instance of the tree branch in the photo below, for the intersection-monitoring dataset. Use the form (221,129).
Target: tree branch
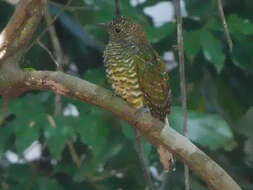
(20,28)
(180,48)
(58,52)
(149,127)
(225,25)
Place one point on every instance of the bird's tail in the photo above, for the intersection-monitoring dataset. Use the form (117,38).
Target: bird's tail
(166,157)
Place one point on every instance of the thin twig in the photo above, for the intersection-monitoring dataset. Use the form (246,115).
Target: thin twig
(69,8)
(52,22)
(180,45)
(58,98)
(117,8)
(59,57)
(187,177)
(75,157)
(43,46)
(58,52)
(51,121)
(143,161)
(225,26)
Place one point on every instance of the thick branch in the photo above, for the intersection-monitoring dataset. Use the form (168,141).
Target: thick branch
(151,128)
(20,28)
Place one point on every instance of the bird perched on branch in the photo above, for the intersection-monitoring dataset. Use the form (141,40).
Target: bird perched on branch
(137,73)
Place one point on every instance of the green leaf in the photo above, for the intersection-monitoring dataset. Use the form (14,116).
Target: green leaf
(93,131)
(25,106)
(212,50)
(245,124)
(29,120)
(21,175)
(48,184)
(25,136)
(197,184)
(242,53)
(96,75)
(214,24)
(5,134)
(106,11)
(129,133)
(127,130)
(199,9)
(147,147)
(68,168)
(237,24)
(248,152)
(192,44)
(157,34)
(56,136)
(208,130)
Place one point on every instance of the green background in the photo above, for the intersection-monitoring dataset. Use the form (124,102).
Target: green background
(220,101)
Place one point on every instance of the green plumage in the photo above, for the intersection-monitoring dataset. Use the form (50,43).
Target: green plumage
(134,68)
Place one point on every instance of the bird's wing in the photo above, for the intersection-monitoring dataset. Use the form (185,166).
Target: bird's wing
(153,80)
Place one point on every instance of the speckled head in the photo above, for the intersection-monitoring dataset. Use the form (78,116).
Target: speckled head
(125,29)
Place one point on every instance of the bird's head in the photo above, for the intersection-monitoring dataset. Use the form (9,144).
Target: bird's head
(125,29)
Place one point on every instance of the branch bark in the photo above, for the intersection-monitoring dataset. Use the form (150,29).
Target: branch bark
(64,84)
(18,32)
(150,127)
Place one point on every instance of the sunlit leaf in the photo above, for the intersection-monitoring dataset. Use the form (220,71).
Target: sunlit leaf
(209,130)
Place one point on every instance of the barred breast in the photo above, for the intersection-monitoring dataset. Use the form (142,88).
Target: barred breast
(122,74)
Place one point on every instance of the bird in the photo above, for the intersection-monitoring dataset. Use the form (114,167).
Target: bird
(137,73)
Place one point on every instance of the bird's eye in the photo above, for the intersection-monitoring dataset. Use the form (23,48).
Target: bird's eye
(117,30)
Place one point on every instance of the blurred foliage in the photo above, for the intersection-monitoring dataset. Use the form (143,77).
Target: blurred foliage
(219,86)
